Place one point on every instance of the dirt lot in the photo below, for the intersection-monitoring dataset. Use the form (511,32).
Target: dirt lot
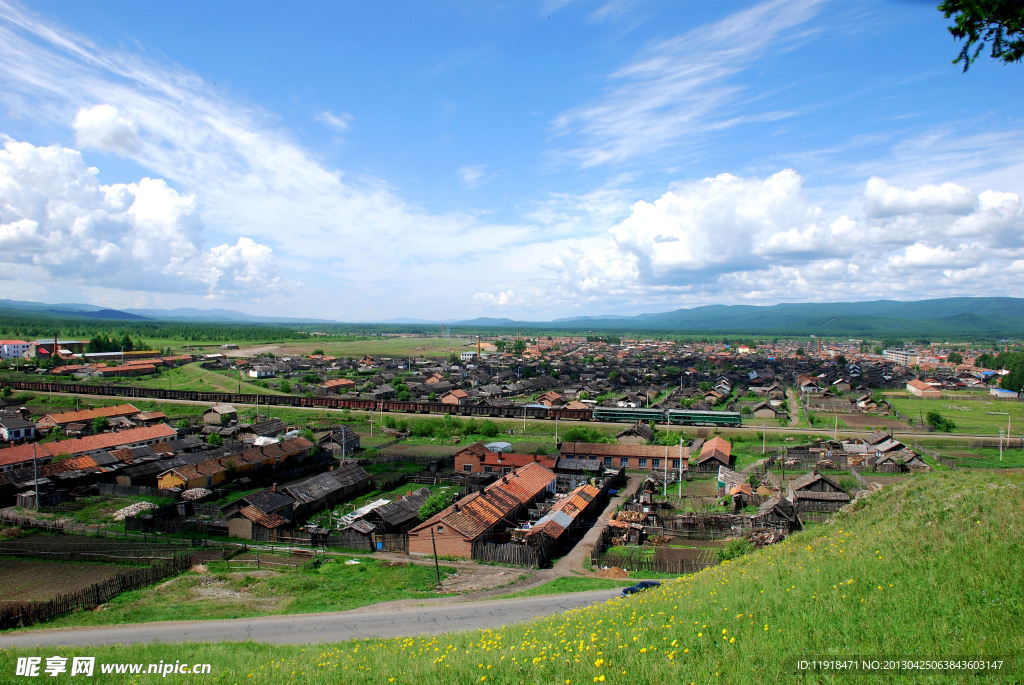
(682,554)
(483,578)
(28,580)
(872,421)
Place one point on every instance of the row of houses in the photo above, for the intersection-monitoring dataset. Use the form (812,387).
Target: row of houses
(264,514)
(504,513)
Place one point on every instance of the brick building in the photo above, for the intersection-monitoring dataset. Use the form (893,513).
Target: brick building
(630,457)
(482,515)
(478,459)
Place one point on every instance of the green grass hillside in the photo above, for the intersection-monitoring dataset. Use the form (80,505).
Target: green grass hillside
(931,567)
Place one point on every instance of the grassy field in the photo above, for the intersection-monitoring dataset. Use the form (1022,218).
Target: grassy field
(927,568)
(224,590)
(195,377)
(980,416)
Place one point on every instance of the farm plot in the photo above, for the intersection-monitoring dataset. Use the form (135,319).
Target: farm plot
(29,580)
(872,421)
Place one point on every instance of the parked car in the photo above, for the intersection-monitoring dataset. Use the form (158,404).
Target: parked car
(639,587)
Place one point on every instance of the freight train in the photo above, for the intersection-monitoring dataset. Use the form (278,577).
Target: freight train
(683,417)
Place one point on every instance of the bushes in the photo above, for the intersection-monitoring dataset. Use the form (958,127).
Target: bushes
(583,434)
(734,549)
(939,422)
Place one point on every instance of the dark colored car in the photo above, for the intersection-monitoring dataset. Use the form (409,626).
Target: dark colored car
(639,587)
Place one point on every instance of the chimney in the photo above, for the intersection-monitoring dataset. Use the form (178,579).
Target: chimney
(456,506)
(273,487)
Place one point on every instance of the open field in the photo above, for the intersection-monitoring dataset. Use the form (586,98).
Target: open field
(837,590)
(974,413)
(866,421)
(376,347)
(195,377)
(31,580)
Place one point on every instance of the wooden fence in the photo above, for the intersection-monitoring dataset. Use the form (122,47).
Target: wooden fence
(91,597)
(130,490)
(636,564)
(516,554)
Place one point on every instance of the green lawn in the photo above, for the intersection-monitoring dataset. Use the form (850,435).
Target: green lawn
(560,586)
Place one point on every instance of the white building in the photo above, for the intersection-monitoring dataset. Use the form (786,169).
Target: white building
(903,357)
(11,349)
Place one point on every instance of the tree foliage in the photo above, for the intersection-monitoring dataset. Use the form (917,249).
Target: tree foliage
(436,503)
(939,422)
(982,22)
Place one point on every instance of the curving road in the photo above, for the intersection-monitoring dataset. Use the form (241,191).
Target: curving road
(365,622)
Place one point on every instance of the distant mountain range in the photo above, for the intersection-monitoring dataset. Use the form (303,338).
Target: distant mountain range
(964,316)
(89,311)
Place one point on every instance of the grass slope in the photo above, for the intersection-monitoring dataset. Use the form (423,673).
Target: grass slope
(928,567)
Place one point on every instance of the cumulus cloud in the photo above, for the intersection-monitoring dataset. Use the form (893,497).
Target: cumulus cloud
(56,216)
(500,299)
(884,200)
(725,223)
(760,240)
(104,127)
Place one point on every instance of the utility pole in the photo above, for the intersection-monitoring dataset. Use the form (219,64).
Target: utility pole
(437,569)
(664,474)
(680,467)
(35,475)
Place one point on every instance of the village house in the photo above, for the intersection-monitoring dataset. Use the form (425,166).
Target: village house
(220,414)
(630,457)
(637,434)
(817,492)
(555,530)
(22,455)
(15,429)
(86,416)
(482,516)
(400,515)
(924,390)
(478,459)
(715,453)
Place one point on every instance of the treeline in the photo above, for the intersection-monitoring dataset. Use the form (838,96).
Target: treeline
(1011,361)
(33,328)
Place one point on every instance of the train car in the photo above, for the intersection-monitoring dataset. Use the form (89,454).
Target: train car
(695,417)
(628,415)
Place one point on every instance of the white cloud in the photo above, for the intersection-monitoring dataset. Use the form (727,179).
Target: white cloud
(760,241)
(473,176)
(340,121)
(680,88)
(884,200)
(145,236)
(103,127)
(500,299)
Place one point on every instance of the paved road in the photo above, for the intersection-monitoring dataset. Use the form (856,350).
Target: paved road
(318,628)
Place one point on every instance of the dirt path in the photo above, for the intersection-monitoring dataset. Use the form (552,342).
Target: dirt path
(794,407)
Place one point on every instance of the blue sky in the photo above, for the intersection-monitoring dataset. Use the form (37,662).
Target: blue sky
(531,160)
